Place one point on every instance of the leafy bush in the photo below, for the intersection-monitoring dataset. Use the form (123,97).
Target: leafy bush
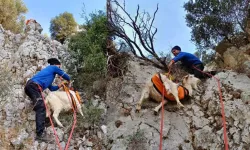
(92,114)
(88,48)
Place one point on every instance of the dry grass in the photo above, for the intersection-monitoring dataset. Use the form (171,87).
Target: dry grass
(240,67)
(137,141)
(6,136)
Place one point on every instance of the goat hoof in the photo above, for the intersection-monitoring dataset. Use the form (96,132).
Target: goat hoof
(180,106)
(155,113)
(137,109)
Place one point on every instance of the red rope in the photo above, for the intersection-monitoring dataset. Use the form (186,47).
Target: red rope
(162,114)
(57,139)
(162,117)
(71,133)
(73,127)
(222,109)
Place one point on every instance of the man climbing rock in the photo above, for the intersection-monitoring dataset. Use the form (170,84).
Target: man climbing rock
(191,63)
(34,87)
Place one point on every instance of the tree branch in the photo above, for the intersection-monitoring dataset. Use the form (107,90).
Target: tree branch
(143,31)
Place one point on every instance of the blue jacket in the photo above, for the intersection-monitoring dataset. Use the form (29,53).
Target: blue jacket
(46,76)
(187,59)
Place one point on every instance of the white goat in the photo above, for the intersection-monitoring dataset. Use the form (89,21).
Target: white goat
(172,90)
(59,101)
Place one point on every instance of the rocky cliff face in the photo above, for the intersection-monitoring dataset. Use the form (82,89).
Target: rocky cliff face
(231,57)
(197,126)
(21,56)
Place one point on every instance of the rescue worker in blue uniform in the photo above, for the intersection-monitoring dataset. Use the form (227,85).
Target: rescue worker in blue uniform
(34,87)
(191,63)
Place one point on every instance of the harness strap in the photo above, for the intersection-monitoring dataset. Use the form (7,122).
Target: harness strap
(158,90)
(160,78)
(71,97)
(186,92)
(73,101)
(78,97)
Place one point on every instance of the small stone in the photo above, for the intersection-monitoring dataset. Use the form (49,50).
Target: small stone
(99,135)
(97,97)
(21,106)
(118,123)
(95,102)
(43,146)
(126,112)
(84,138)
(31,116)
(236,95)
(88,143)
(81,148)
(104,129)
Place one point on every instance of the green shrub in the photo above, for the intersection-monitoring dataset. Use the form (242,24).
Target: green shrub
(88,47)
(92,114)
(12,15)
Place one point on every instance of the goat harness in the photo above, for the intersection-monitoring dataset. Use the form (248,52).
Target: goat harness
(66,89)
(158,85)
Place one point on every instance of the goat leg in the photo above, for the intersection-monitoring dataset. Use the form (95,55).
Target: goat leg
(55,115)
(138,108)
(156,110)
(179,104)
(175,94)
(145,95)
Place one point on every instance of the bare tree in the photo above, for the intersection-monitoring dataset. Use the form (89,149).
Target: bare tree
(143,31)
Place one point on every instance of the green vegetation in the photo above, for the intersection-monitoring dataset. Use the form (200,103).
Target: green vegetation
(88,50)
(212,21)
(92,114)
(12,15)
(62,26)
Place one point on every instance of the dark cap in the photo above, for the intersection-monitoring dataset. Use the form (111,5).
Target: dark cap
(177,48)
(54,61)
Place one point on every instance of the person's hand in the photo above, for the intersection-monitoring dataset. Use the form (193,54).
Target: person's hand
(170,64)
(63,83)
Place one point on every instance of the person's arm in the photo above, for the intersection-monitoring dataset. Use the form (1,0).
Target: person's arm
(170,64)
(176,59)
(53,88)
(62,73)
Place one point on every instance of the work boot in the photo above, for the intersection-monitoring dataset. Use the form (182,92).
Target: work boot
(213,72)
(43,138)
(47,122)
